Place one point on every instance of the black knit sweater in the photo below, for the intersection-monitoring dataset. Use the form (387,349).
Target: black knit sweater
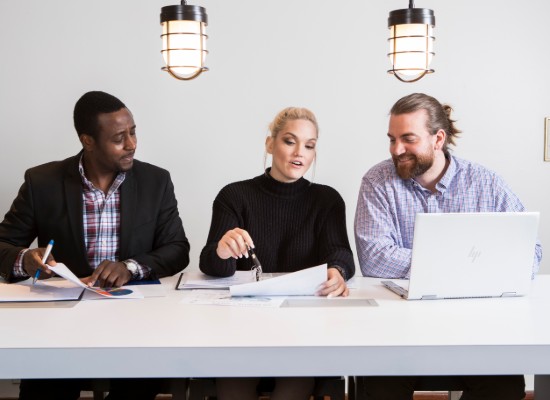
(293,225)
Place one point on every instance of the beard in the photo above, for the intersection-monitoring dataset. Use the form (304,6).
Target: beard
(417,166)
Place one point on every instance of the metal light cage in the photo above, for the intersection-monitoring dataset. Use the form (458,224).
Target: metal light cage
(184,40)
(411,42)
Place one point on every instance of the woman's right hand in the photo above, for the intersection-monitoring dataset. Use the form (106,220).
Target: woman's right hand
(234,244)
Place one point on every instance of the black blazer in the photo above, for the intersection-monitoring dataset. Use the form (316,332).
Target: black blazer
(49,206)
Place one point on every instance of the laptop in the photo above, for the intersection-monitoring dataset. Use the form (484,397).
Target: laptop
(463,255)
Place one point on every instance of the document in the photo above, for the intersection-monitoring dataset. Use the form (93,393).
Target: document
(198,280)
(112,293)
(300,283)
(217,297)
(44,290)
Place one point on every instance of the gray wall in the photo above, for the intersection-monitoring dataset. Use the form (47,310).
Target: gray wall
(491,65)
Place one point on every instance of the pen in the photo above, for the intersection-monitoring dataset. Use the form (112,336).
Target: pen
(46,255)
(257,265)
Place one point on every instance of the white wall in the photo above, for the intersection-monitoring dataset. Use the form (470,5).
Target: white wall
(491,65)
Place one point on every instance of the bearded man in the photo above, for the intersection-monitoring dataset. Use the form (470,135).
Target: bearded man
(423,177)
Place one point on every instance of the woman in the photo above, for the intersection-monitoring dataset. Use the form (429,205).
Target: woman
(290,223)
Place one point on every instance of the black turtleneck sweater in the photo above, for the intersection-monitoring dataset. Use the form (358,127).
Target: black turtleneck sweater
(293,225)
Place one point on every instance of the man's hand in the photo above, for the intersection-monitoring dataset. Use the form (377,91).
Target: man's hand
(109,274)
(32,261)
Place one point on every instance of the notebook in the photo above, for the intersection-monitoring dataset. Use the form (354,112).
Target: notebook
(461,255)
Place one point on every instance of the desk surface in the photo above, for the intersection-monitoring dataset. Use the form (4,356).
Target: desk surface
(161,337)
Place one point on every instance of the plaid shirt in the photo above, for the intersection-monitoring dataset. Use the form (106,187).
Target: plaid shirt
(101,219)
(387,206)
(101,222)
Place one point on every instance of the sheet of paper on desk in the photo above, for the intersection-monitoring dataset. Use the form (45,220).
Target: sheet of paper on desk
(44,290)
(111,293)
(123,292)
(198,280)
(215,297)
(300,283)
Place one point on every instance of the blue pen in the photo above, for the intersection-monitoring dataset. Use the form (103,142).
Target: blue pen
(46,255)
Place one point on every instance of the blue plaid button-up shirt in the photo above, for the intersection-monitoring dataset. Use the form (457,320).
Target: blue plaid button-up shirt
(387,206)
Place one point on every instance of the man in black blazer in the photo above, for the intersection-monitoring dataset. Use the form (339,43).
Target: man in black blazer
(113,219)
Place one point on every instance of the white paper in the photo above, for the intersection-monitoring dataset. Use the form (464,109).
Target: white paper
(123,292)
(64,272)
(223,298)
(44,290)
(300,283)
(198,280)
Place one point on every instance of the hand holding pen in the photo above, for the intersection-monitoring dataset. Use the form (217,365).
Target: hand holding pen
(34,261)
(235,243)
(257,268)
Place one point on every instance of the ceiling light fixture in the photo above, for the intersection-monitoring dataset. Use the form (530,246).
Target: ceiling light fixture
(184,40)
(411,42)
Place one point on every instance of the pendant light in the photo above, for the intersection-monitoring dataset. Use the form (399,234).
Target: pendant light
(411,42)
(184,40)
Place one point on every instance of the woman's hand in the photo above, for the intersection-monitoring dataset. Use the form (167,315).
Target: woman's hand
(334,286)
(234,244)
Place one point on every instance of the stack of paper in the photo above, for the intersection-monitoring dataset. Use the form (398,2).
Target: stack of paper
(43,290)
(198,280)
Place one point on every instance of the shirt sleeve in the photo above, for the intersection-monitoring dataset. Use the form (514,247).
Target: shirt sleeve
(223,220)
(143,271)
(18,270)
(379,246)
(334,240)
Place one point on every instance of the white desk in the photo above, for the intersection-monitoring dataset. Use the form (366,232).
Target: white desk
(160,337)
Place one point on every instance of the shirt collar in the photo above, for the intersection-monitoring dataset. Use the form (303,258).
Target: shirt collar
(447,178)
(88,184)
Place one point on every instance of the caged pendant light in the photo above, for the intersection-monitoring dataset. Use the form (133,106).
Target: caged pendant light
(411,42)
(184,40)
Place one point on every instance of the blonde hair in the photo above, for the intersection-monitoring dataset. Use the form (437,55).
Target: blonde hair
(292,114)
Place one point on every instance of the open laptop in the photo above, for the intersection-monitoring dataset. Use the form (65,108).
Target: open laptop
(461,255)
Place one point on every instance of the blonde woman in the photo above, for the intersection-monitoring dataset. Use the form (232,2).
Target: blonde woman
(290,223)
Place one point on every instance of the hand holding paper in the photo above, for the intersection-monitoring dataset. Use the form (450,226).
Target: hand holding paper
(335,285)
(62,270)
(301,283)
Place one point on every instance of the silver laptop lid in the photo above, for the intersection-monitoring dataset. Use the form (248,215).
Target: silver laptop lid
(472,254)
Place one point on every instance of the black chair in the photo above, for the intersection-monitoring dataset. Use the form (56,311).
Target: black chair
(99,387)
(333,387)
(177,387)
(424,384)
